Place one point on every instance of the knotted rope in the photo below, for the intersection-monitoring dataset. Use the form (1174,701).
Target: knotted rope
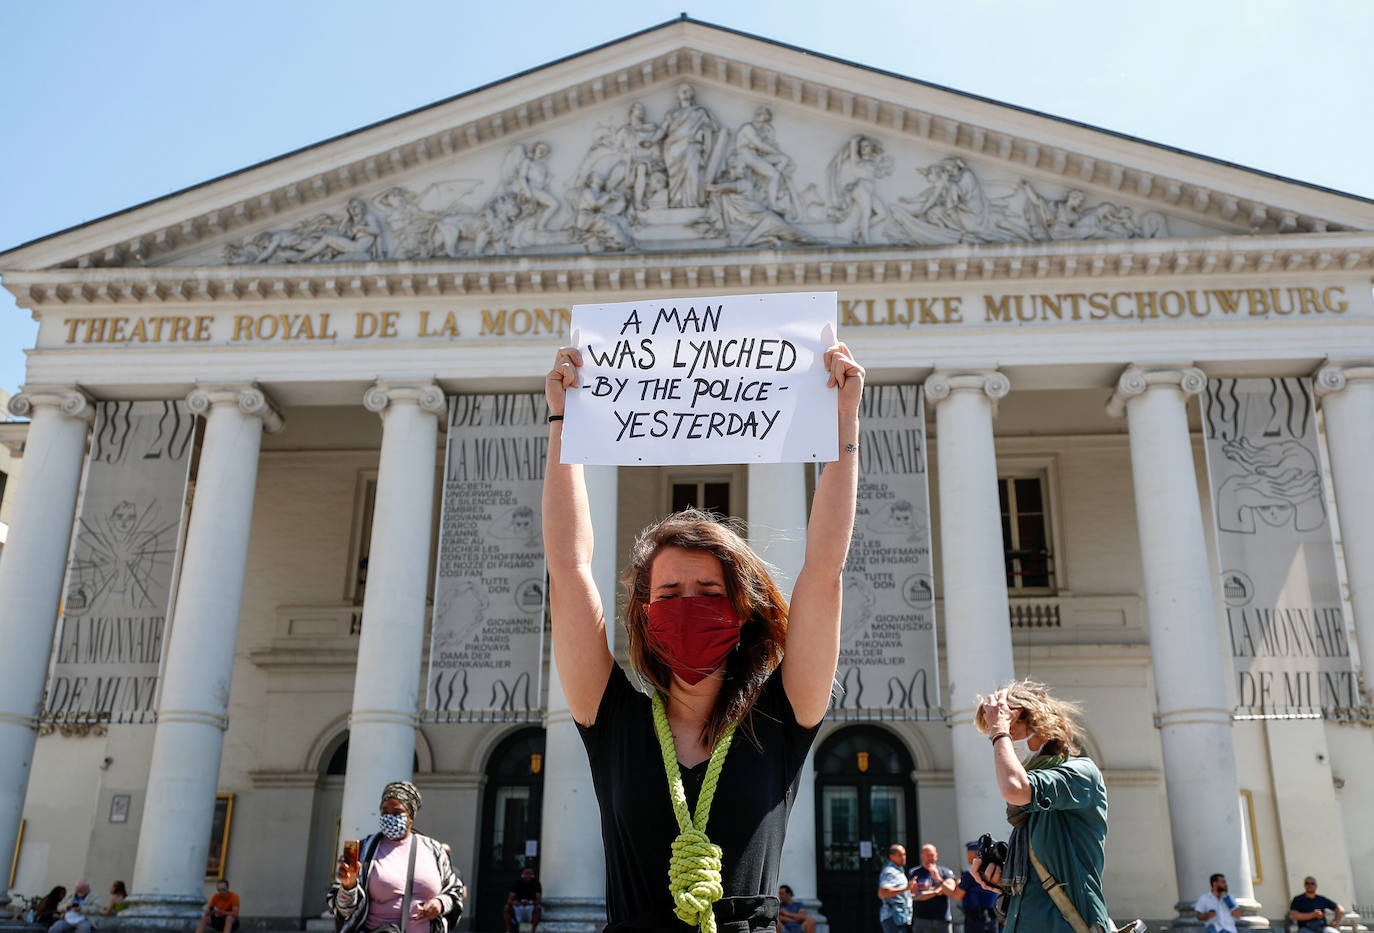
(694,878)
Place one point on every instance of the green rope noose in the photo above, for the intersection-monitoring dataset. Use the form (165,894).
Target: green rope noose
(694,878)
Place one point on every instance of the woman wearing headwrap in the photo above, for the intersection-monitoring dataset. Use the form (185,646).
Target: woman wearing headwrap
(369,892)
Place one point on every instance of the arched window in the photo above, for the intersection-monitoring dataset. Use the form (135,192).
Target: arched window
(865,802)
(512,804)
(338,762)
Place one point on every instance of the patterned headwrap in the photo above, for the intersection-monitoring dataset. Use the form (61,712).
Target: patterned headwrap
(406,793)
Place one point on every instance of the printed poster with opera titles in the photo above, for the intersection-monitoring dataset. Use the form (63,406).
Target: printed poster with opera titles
(1285,623)
(888,667)
(486,653)
(123,564)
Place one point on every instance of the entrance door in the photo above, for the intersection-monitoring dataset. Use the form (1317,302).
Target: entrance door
(865,802)
(512,803)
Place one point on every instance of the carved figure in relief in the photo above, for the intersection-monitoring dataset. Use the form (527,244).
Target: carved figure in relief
(599,221)
(525,174)
(690,136)
(1068,218)
(358,238)
(432,223)
(640,170)
(851,185)
(954,209)
(737,214)
(756,149)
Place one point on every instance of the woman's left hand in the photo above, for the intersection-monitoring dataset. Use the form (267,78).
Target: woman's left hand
(429,909)
(847,375)
(997,713)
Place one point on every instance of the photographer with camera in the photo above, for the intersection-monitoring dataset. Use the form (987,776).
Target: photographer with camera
(1051,876)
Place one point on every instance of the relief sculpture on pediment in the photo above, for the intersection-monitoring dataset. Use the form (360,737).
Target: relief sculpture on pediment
(689,181)
(693,147)
(357,237)
(851,183)
(1068,218)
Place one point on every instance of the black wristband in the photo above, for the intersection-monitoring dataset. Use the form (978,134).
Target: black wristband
(553,418)
(993,739)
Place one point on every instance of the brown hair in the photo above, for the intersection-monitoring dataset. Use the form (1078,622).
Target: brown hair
(756,598)
(1054,720)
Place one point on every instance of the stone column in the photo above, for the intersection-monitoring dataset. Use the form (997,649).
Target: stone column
(1346,391)
(777,520)
(386,687)
(977,619)
(572,863)
(1192,716)
(31,573)
(193,709)
(777,533)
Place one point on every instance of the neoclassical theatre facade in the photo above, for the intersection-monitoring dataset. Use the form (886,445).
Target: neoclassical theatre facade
(1077,310)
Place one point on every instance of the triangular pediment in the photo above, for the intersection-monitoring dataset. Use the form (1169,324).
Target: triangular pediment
(688,137)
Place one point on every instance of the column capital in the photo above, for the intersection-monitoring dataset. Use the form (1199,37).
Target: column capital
(1137,380)
(71,401)
(940,385)
(1335,375)
(248,397)
(427,395)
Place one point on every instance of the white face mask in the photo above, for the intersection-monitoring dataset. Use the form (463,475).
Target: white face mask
(1023,749)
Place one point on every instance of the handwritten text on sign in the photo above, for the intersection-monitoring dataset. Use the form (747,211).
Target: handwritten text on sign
(737,379)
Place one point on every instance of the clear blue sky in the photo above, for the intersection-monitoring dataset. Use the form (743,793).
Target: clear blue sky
(106,105)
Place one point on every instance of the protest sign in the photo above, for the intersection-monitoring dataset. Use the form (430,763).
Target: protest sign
(735,379)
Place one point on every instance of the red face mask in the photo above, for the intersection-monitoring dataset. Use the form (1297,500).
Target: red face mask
(692,634)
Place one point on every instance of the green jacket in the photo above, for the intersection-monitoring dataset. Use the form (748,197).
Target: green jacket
(1068,831)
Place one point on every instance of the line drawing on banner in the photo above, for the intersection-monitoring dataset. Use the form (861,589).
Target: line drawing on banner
(1284,616)
(486,642)
(122,564)
(888,667)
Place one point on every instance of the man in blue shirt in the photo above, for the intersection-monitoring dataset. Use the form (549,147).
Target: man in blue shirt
(894,895)
(792,915)
(931,886)
(1309,909)
(978,902)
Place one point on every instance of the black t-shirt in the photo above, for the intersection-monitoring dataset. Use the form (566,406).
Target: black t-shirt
(932,908)
(526,890)
(1305,905)
(758,783)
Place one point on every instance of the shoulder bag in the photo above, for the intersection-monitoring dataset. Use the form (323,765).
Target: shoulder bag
(1055,889)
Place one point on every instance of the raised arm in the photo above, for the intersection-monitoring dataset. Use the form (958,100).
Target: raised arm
(813,627)
(1011,775)
(579,622)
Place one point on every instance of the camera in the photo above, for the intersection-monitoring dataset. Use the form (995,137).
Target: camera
(991,851)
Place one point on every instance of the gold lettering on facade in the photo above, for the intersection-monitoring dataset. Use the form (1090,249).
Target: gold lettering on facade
(523,321)
(905,312)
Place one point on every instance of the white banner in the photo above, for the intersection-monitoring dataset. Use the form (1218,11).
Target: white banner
(888,665)
(736,379)
(122,565)
(1284,619)
(486,652)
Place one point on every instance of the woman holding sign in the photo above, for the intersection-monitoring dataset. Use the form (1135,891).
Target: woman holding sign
(695,783)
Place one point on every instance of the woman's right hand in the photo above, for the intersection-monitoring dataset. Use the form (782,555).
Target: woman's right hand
(561,378)
(347,873)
